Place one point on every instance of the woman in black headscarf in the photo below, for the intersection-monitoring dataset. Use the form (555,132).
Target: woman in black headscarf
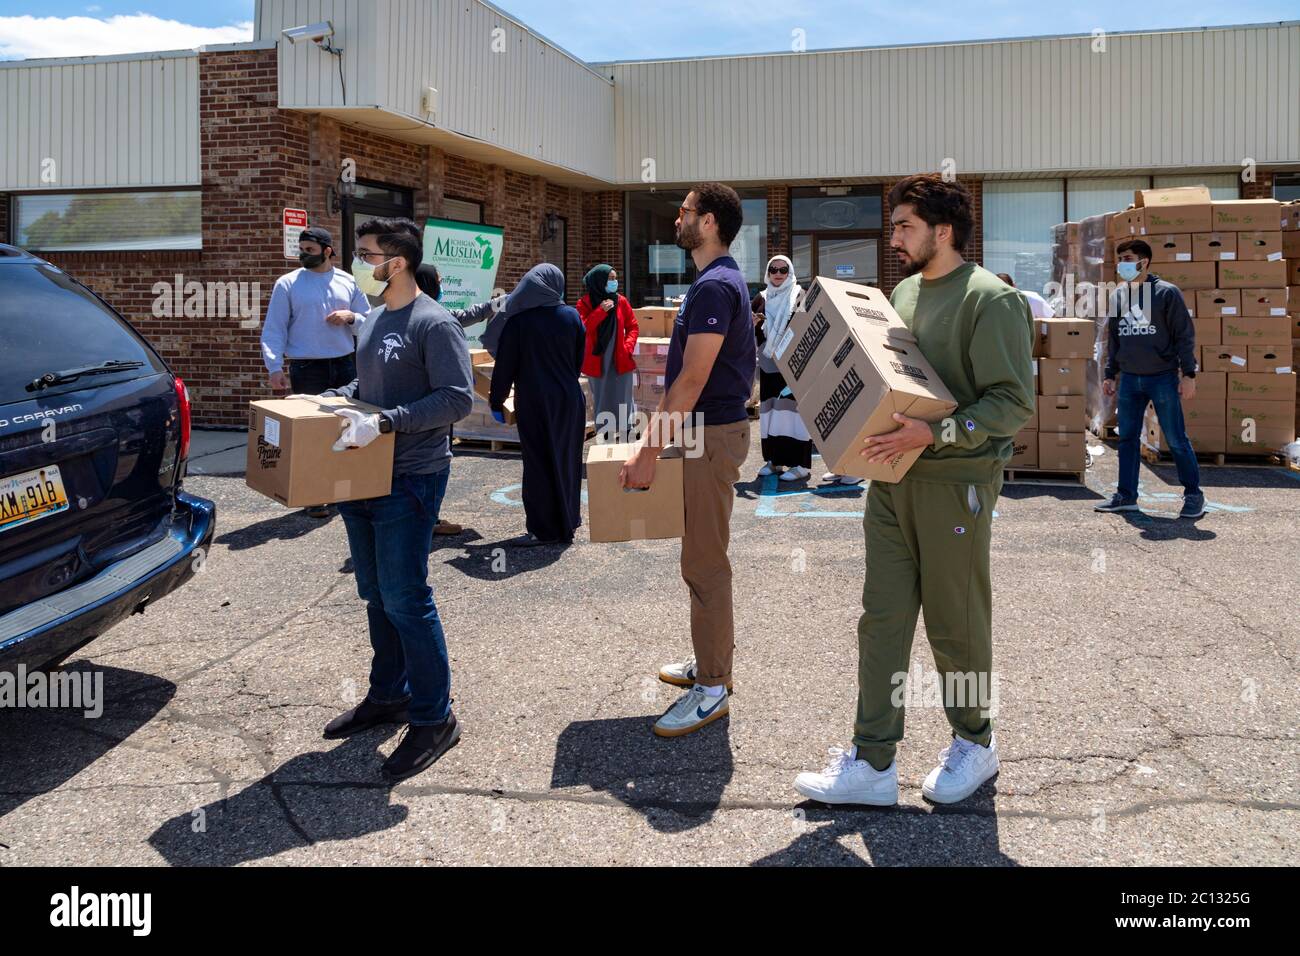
(611,342)
(540,355)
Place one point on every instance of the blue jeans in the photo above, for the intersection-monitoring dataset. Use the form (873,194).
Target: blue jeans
(1135,392)
(390,539)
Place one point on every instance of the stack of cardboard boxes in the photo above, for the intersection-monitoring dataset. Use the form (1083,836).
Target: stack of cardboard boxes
(1291,251)
(1055,438)
(1228,258)
(479,425)
(651,357)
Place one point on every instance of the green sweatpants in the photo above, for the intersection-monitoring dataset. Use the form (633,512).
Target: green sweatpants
(927,547)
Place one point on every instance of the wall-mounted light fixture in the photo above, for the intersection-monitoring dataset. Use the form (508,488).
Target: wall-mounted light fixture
(339,191)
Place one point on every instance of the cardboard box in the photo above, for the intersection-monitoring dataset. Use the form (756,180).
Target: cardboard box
(648,388)
(1174,247)
(483,379)
(1292,271)
(1217,358)
(1240,332)
(1207,331)
(1244,215)
(1264,302)
(1188,275)
(1291,244)
(1270,359)
(1267,440)
(873,374)
(651,354)
(1212,385)
(1024,449)
(615,513)
(1032,424)
(1062,451)
(1290,215)
(1203,413)
(480,357)
(1213,246)
(1061,413)
(1178,209)
(1211,440)
(1259,246)
(1294,319)
(1064,338)
(1244,274)
(831,309)
(1213,303)
(291,456)
(1122,225)
(1062,376)
(655,321)
(1267,387)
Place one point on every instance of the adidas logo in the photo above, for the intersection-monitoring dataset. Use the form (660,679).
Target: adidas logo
(1128,325)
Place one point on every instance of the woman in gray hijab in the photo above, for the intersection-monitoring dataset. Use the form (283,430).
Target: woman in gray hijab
(539,354)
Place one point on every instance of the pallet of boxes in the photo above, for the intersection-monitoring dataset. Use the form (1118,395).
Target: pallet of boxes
(1053,446)
(480,426)
(1229,260)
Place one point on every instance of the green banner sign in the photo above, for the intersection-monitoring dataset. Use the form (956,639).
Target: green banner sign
(466,256)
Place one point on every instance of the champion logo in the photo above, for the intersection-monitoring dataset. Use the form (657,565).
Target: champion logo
(713,321)
(970,425)
(959,530)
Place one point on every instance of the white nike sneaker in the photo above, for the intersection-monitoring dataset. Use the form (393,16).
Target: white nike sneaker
(847,779)
(692,711)
(832,478)
(681,675)
(766,470)
(963,769)
(797,473)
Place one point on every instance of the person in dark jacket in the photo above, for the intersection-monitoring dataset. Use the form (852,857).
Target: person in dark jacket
(540,355)
(1151,341)
(607,361)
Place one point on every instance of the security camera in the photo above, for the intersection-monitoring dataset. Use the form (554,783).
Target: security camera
(316,32)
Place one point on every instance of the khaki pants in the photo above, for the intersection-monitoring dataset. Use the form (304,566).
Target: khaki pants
(709,482)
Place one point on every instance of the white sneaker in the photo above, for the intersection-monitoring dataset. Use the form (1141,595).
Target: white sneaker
(681,675)
(797,473)
(766,470)
(847,779)
(831,478)
(963,768)
(692,711)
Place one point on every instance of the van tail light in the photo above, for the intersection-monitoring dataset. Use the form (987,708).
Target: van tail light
(183,399)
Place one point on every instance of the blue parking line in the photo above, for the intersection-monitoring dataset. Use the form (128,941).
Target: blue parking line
(772,490)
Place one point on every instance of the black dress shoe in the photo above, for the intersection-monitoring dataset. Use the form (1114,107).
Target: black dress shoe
(420,747)
(531,540)
(365,715)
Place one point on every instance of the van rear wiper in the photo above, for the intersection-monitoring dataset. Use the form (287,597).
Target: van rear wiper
(50,379)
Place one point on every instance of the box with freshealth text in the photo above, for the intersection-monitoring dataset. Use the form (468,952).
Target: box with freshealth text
(291,456)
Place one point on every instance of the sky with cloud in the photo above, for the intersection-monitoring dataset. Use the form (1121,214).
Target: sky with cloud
(668,28)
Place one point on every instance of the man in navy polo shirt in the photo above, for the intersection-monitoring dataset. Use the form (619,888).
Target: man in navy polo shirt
(711,363)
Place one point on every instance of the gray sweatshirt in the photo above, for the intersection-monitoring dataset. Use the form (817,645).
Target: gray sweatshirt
(414,364)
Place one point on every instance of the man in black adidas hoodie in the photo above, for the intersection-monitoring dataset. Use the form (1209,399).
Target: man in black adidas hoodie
(1152,340)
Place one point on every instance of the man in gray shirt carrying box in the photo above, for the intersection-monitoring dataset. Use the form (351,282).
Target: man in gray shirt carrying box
(413,363)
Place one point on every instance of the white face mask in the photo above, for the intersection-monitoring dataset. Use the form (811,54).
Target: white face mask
(364,273)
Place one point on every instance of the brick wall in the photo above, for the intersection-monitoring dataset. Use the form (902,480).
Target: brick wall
(602,215)
(1261,188)
(891,274)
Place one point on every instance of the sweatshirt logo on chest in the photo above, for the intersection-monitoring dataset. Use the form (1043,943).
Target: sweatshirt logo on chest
(1135,323)
(392,343)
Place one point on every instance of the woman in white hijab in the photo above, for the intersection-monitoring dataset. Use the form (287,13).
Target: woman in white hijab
(787,447)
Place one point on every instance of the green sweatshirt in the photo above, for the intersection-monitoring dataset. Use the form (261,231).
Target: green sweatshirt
(977,332)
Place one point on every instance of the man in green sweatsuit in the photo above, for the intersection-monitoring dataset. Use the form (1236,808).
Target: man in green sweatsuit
(928,536)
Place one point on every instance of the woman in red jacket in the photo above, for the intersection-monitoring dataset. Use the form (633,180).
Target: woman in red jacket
(608,363)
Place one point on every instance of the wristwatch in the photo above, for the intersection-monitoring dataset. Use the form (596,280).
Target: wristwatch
(385,423)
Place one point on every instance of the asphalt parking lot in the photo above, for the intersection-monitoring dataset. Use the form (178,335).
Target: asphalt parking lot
(1146,675)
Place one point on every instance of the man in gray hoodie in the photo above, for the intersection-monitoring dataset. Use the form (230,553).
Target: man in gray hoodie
(413,363)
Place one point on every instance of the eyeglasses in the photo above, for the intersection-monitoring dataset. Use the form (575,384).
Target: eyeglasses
(369,256)
(779,271)
(683,210)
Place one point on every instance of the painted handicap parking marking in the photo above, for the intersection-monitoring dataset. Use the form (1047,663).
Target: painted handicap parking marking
(805,502)
(511,496)
(1176,499)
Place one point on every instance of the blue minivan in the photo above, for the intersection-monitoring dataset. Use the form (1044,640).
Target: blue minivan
(94,436)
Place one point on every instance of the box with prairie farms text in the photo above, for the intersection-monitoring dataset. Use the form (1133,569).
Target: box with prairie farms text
(291,456)
(1178,209)
(1247,215)
(1024,449)
(1214,246)
(1188,275)
(1250,274)
(1267,386)
(615,513)
(852,363)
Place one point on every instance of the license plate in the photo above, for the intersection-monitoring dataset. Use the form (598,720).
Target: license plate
(31,496)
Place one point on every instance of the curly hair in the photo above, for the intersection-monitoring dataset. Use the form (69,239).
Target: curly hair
(937,202)
(724,203)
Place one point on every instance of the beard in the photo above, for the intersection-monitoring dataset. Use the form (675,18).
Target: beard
(689,238)
(914,264)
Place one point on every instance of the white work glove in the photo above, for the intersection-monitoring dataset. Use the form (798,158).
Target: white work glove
(359,429)
(298,395)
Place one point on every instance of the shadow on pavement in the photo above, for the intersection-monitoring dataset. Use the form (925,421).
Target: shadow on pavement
(42,749)
(965,834)
(1063,492)
(260,821)
(286,527)
(497,561)
(1167,528)
(676,784)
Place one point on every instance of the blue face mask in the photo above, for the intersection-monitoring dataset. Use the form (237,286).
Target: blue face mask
(1128,271)
(611,286)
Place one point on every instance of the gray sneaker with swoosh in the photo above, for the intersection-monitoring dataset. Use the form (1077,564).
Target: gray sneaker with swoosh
(693,710)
